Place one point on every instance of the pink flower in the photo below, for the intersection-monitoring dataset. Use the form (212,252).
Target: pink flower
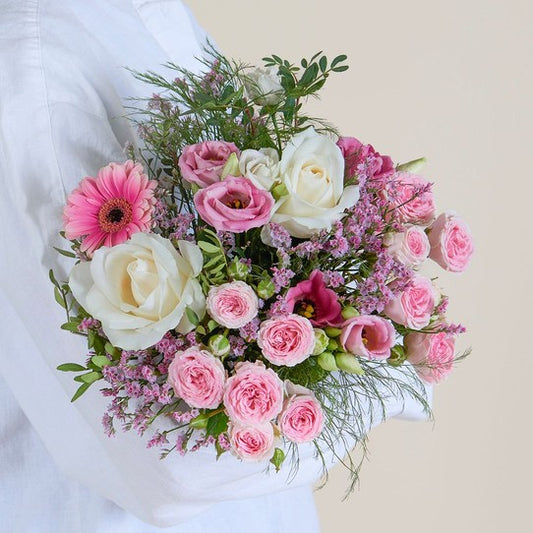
(451,242)
(410,247)
(355,153)
(197,377)
(412,198)
(108,209)
(368,336)
(203,163)
(431,354)
(313,300)
(232,304)
(254,395)
(414,306)
(252,443)
(234,204)
(302,418)
(286,340)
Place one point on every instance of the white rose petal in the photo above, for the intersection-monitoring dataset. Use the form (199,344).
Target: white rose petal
(140,289)
(261,167)
(264,86)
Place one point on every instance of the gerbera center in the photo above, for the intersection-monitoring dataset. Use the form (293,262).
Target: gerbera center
(306,309)
(114,215)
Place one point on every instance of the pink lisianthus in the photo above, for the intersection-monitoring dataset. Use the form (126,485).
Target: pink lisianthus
(234,204)
(355,153)
(414,306)
(451,243)
(286,340)
(232,304)
(368,336)
(410,247)
(252,443)
(197,377)
(313,300)
(254,394)
(431,354)
(203,163)
(108,209)
(302,418)
(411,197)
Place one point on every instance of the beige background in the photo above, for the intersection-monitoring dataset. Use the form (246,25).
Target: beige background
(451,80)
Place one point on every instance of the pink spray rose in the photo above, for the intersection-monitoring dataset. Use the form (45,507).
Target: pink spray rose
(313,300)
(232,304)
(286,340)
(252,443)
(451,242)
(254,394)
(203,163)
(355,153)
(431,353)
(197,377)
(368,336)
(410,247)
(302,418)
(414,306)
(412,198)
(234,204)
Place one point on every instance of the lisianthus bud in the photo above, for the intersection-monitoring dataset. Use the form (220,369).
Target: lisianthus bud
(349,363)
(349,312)
(279,191)
(398,355)
(321,341)
(219,345)
(333,345)
(326,360)
(231,168)
(333,332)
(266,289)
(238,270)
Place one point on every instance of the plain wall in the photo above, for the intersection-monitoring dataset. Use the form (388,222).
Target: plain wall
(451,80)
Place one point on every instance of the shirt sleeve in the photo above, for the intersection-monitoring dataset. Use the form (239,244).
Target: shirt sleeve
(46,148)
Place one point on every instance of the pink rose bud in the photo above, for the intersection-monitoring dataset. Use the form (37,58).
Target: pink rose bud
(203,163)
(197,377)
(368,336)
(252,443)
(412,198)
(431,354)
(414,306)
(254,395)
(232,304)
(234,204)
(411,247)
(286,340)
(451,242)
(302,419)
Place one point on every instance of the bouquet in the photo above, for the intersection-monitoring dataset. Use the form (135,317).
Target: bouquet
(250,279)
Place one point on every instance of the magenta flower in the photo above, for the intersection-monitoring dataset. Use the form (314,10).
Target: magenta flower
(356,153)
(368,336)
(108,209)
(313,300)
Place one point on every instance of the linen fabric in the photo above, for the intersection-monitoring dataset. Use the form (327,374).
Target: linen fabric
(63,88)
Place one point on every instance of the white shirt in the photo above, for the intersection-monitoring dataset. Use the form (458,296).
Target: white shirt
(62,89)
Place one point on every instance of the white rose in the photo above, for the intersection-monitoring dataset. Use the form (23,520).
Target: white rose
(312,169)
(261,167)
(263,85)
(140,289)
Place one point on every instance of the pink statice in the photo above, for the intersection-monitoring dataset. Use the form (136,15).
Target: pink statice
(333,279)
(108,209)
(279,308)
(281,277)
(279,237)
(249,331)
(89,323)
(158,440)
(238,345)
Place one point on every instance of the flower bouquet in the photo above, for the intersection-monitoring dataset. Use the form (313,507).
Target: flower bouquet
(249,279)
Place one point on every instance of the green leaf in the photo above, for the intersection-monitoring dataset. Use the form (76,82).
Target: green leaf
(100,361)
(53,278)
(80,391)
(412,166)
(192,316)
(323,63)
(342,68)
(209,248)
(217,424)
(278,458)
(71,367)
(89,378)
(309,74)
(65,252)
(71,326)
(339,59)
(59,298)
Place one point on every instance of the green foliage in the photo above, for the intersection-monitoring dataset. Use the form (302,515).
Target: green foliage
(306,373)
(278,458)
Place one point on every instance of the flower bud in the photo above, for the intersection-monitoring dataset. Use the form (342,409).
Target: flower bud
(279,191)
(326,360)
(349,312)
(333,332)
(349,363)
(231,168)
(398,355)
(321,341)
(219,345)
(266,289)
(333,345)
(238,270)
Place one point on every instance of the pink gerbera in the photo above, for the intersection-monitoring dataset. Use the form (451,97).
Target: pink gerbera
(108,209)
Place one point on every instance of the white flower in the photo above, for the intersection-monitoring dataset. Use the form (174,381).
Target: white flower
(261,167)
(140,289)
(263,85)
(312,170)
